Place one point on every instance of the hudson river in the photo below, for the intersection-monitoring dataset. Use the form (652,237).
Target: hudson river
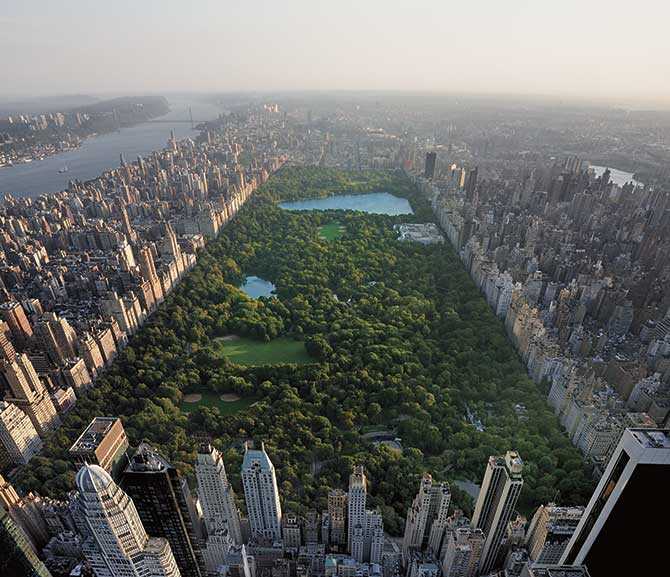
(100,153)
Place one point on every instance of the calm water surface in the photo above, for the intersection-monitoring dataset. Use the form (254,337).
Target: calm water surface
(373,203)
(257,287)
(100,153)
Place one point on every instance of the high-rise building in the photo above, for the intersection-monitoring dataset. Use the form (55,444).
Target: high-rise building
(549,532)
(337,515)
(15,317)
(17,557)
(7,350)
(26,513)
(162,502)
(495,505)
(29,394)
(216,495)
(374,537)
(18,437)
(356,511)
(103,442)
(431,161)
(57,338)
(431,505)
(471,185)
(115,541)
(632,490)
(261,494)
(463,551)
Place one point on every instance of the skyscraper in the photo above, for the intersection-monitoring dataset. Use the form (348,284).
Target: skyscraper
(18,438)
(356,513)
(463,551)
(337,514)
(374,537)
(630,495)
(549,532)
(216,495)
(26,513)
(56,337)
(162,502)
(15,317)
(429,506)
(29,394)
(471,186)
(17,557)
(261,494)
(497,498)
(431,160)
(115,541)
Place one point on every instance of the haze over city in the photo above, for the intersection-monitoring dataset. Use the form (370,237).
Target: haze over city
(605,50)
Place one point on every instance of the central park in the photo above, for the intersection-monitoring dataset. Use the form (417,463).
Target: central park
(361,334)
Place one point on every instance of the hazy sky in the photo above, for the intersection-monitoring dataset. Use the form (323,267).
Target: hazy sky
(592,48)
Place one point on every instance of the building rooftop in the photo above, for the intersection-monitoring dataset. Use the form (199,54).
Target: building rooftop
(652,438)
(93,435)
(92,479)
(147,460)
(555,571)
(252,456)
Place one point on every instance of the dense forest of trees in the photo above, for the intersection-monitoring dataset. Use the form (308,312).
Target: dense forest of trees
(401,341)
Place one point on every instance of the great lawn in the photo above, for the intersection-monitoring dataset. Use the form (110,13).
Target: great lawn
(279,351)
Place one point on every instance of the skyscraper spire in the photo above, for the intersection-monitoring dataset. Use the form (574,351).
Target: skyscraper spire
(115,540)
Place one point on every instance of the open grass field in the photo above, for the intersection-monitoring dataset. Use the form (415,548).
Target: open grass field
(331,231)
(280,351)
(227,404)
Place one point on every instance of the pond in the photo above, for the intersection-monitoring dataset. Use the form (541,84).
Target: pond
(373,203)
(617,176)
(257,287)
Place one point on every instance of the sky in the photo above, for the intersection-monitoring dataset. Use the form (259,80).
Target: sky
(589,49)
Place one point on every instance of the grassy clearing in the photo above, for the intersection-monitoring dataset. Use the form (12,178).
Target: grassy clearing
(280,351)
(331,231)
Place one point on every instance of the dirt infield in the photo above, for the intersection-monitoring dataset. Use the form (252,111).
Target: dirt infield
(230,338)
(192,398)
(229,397)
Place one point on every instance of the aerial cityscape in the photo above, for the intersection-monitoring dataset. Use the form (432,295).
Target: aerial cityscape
(343,321)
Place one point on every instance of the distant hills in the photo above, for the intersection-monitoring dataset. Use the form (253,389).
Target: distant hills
(44,104)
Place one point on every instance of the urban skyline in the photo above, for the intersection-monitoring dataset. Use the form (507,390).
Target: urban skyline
(316,289)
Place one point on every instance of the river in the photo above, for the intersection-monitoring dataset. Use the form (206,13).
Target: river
(100,153)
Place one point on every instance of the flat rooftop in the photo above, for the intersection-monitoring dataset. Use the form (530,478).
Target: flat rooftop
(652,438)
(93,435)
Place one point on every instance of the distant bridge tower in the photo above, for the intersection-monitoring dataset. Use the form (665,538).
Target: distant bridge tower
(190,113)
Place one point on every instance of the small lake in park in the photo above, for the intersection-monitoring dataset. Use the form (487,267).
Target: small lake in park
(257,287)
(373,203)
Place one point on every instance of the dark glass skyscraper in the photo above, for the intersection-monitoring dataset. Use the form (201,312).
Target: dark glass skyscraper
(162,502)
(431,160)
(617,534)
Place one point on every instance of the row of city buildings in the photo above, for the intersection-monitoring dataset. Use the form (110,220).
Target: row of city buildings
(133,514)
(583,301)
(81,270)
